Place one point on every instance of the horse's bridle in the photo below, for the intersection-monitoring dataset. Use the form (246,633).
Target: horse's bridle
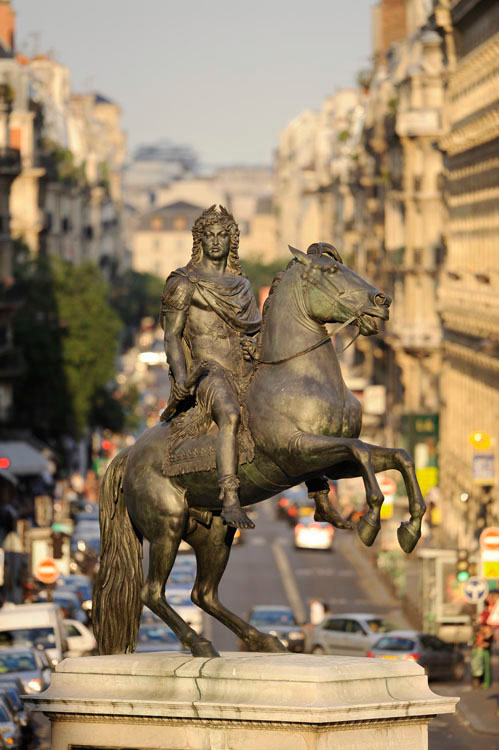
(307,278)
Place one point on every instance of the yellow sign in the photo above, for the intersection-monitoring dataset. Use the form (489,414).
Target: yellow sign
(490,568)
(427,478)
(386,510)
(480,440)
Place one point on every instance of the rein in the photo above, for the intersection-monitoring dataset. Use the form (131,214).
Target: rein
(314,346)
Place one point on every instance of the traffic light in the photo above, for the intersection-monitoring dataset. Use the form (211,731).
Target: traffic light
(57,541)
(463,565)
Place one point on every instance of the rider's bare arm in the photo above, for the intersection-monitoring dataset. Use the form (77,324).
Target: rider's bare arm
(174,328)
(175,303)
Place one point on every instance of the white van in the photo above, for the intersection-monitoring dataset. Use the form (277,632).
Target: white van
(34,625)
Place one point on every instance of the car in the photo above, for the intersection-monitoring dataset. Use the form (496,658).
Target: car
(14,687)
(27,664)
(67,600)
(10,729)
(277,620)
(33,625)
(439,659)
(310,534)
(180,600)
(350,634)
(290,500)
(156,636)
(81,641)
(81,584)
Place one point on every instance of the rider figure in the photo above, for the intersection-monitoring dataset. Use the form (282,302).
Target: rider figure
(209,314)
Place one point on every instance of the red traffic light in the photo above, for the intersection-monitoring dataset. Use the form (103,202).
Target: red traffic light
(4,462)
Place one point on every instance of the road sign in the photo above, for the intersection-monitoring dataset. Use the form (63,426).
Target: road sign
(484,468)
(489,538)
(475,589)
(480,440)
(47,571)
(387,486)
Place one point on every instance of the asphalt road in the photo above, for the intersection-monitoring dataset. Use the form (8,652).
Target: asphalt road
(256,575)
(267,569)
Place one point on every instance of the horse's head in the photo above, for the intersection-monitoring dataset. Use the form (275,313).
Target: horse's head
(335,293)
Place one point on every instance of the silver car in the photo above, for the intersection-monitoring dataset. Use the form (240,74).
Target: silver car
(348,634)
(27,664)
(439,659)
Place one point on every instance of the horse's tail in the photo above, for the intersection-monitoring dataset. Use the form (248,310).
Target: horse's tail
(117,607)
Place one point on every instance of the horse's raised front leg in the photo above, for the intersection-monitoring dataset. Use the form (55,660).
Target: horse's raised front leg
(163,551)
(384,459)
(212,548)
(324,452)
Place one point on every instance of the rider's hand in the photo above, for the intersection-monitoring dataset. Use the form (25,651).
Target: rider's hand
(180,391)
(249,348)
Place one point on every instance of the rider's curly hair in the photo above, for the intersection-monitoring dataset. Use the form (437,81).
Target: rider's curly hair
(214,216)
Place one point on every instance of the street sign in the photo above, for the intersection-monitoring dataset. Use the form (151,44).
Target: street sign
(387,486)
(480,440)
(47,571)
(475,589)
(489,538)
(484,468)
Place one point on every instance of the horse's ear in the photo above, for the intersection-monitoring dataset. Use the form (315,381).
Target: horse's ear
(300,256)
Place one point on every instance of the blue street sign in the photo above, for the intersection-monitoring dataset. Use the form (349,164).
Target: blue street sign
(475,589)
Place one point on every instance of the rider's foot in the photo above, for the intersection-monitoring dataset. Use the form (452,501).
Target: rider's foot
(234,515)
(325,512)
(330,515)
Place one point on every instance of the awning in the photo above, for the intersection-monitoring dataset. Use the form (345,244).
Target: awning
(23,460)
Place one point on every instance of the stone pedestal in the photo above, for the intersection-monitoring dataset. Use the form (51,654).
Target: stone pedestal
(239,702)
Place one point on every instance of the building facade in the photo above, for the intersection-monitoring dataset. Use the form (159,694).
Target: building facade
(469,290)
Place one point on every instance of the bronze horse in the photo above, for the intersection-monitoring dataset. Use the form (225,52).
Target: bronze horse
(305,423)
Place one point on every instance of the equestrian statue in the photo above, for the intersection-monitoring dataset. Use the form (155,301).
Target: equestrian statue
(256,407)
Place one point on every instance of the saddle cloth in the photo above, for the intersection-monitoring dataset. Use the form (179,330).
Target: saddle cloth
(191,443)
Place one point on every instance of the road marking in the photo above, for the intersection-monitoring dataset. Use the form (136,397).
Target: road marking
(257,541)
(283,541)
(289,583)
(315,572)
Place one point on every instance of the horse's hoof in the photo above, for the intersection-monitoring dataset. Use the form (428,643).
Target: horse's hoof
(367,530)
(407,536)
(204,648)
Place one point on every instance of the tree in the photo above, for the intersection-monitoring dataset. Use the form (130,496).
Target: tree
(260,273)
(136,296)
(68,334)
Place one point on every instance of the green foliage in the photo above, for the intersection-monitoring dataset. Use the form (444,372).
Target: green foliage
(68,335)
(343,136)
(135,296)
(61,165)
(261,273)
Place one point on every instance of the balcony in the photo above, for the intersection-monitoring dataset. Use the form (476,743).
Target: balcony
(10,162)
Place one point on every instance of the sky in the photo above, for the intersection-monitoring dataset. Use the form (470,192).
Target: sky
(224,77)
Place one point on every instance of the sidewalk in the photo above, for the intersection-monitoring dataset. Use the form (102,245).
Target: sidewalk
(479,708)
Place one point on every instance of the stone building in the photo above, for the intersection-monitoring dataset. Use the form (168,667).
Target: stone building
(469,290)
(162,240)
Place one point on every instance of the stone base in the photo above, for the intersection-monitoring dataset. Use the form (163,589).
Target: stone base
(242,701)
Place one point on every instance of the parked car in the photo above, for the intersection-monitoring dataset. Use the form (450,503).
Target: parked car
(277,620)
(34,625)
(27,664)
(348,634)
(10,729)
(438,658)
(310,534)
(14,687)
(180,600)
(81,640)
(157,636)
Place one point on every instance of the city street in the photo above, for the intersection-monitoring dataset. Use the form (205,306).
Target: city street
(267,569)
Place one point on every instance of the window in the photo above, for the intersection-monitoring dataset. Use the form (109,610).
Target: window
(157,223)
(72,631)
(395,644)
(351,626)
(337,625)
(180,223)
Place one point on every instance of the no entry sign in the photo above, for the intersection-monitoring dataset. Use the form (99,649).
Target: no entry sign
(47,571)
